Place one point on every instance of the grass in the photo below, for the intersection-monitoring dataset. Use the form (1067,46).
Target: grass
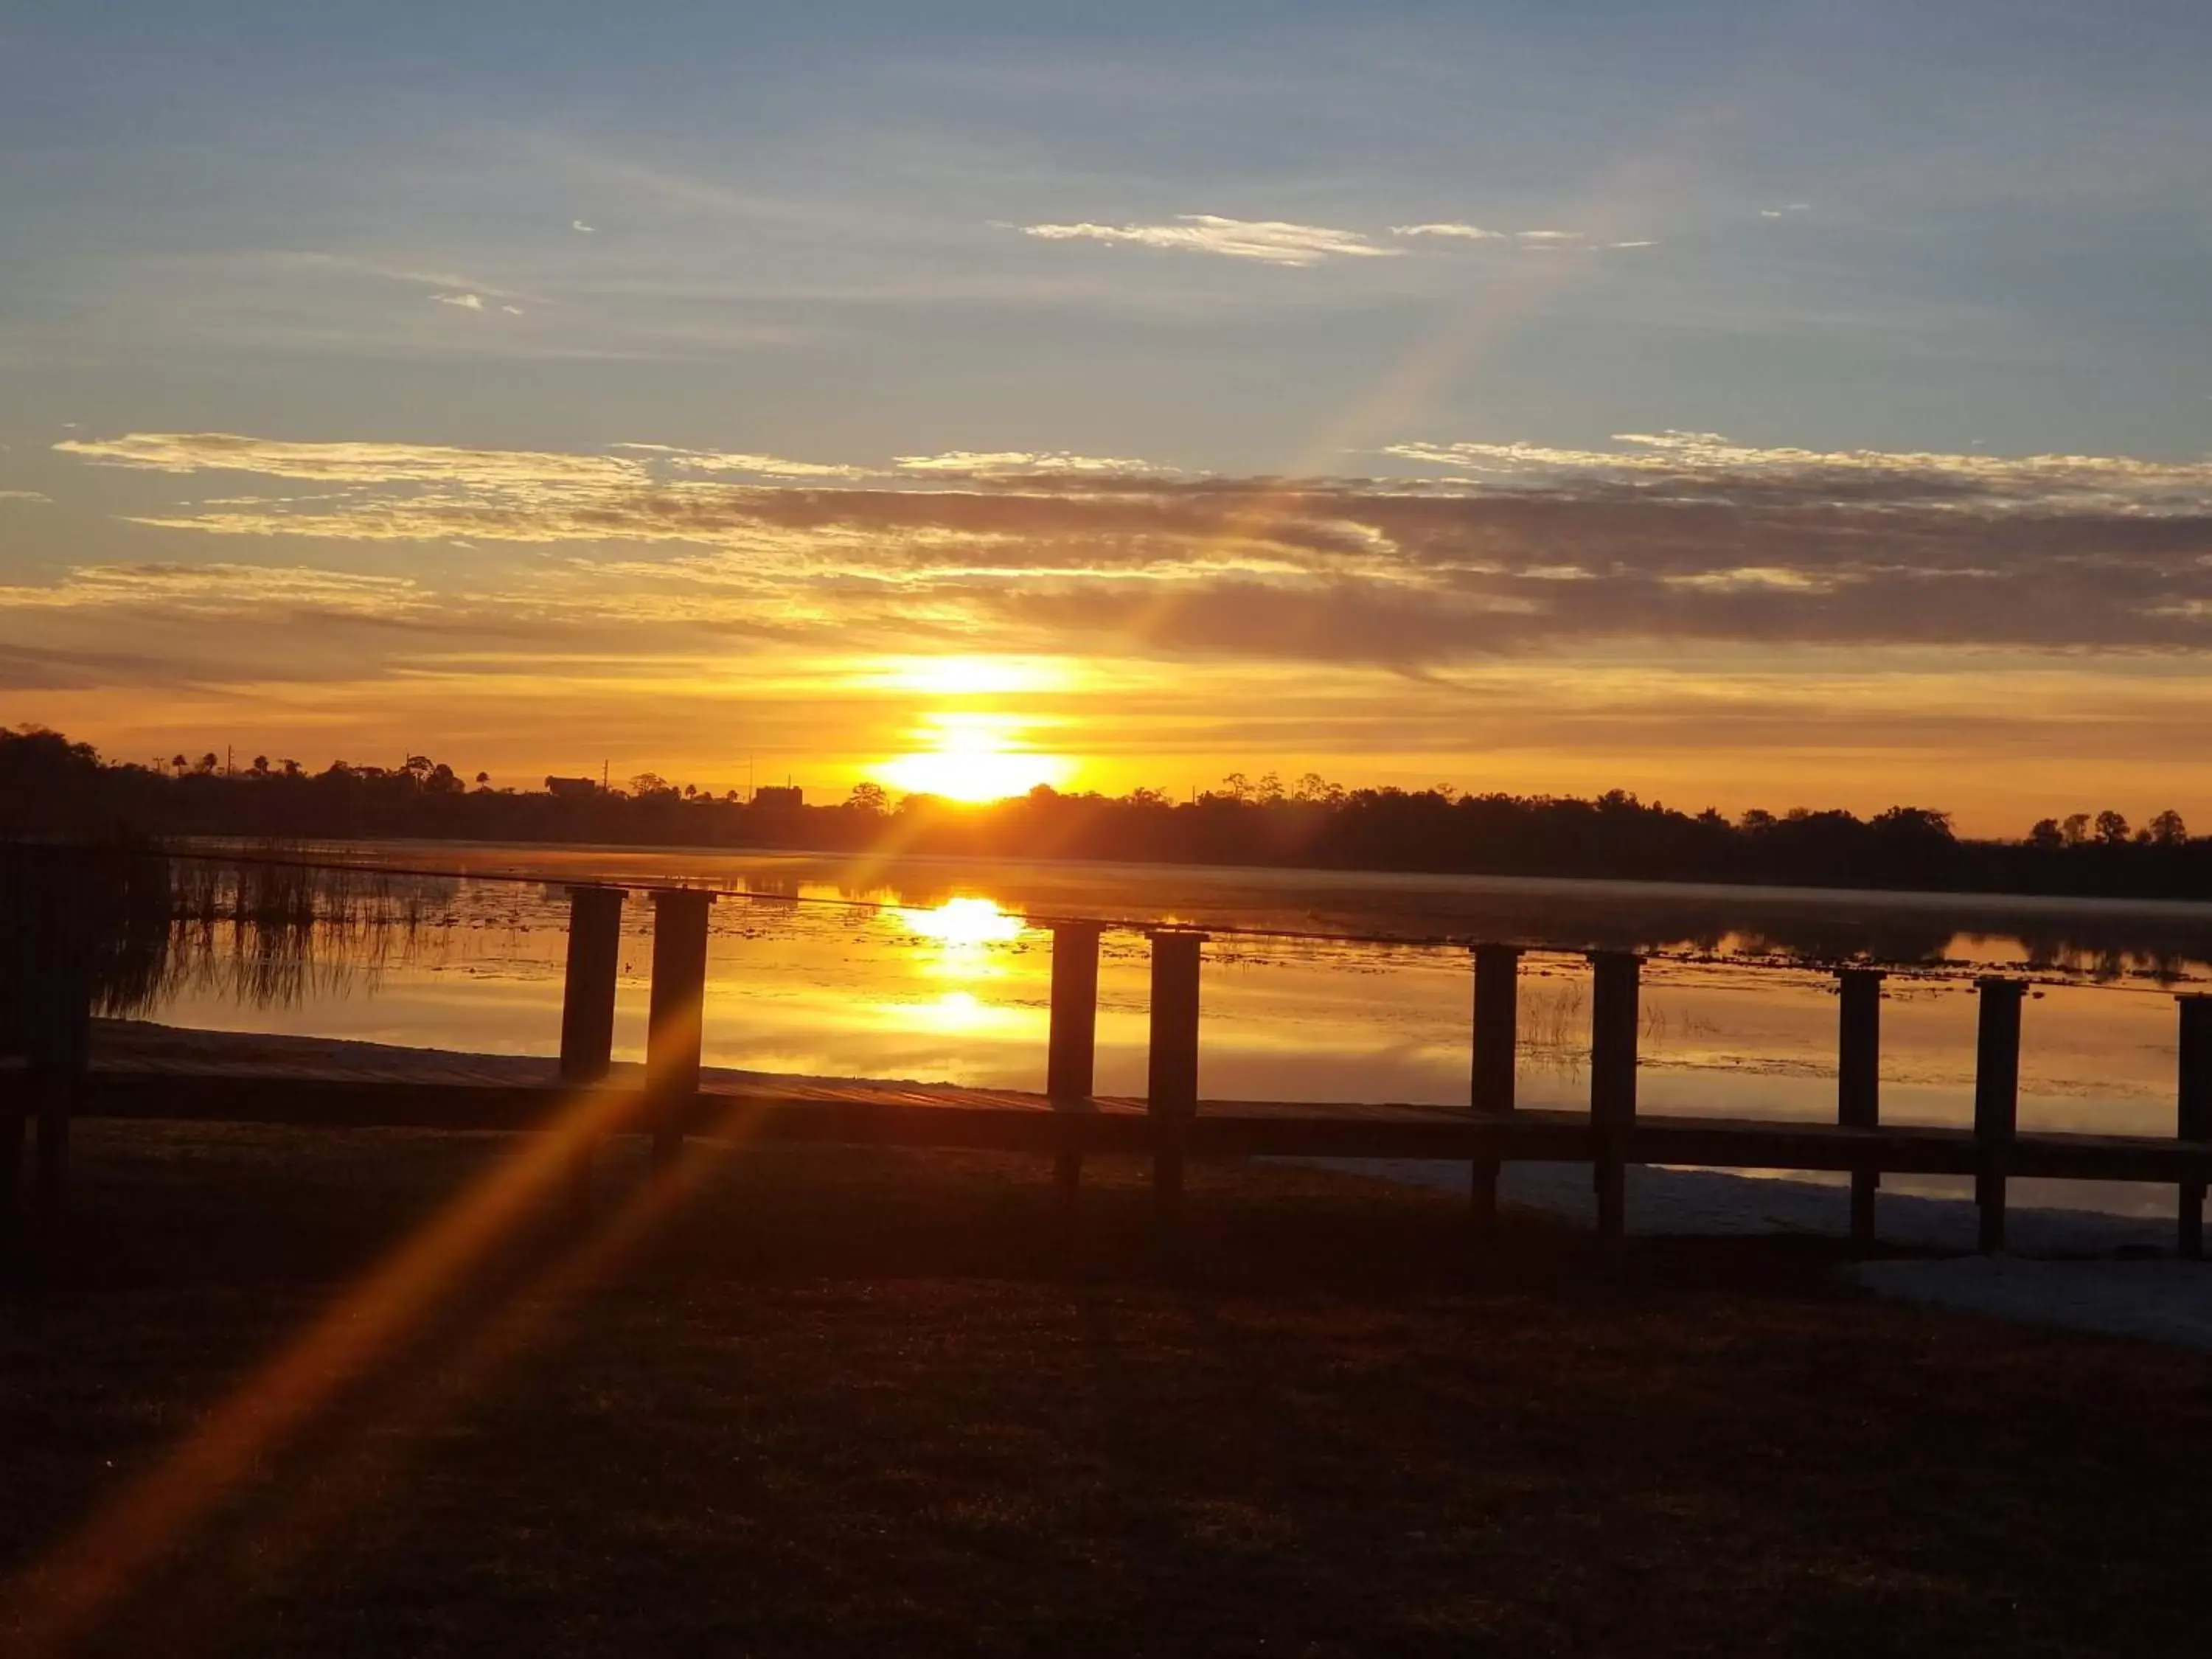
(837,1401)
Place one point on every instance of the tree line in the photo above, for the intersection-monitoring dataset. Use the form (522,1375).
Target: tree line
(50,785)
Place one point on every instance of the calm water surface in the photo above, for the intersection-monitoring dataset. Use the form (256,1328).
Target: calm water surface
(927,971)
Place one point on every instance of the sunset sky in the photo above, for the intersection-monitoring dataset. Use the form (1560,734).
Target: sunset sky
(1740,404)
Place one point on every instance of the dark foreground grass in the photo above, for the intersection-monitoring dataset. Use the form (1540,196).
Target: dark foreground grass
(831,1401)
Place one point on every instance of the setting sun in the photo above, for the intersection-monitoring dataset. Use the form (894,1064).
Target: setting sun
(974,756)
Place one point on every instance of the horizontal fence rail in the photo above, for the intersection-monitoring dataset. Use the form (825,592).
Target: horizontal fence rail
(54,902)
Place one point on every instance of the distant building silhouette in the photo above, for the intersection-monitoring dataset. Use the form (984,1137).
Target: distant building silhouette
(571,788)
(778,797)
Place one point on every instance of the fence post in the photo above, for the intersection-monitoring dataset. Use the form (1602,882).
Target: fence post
(61,1036)
(1171,1071)
(1996,1101)
(1858,1080)
(1072,1042)
(1614,1017)
(19,928)
(1496,1014)
(588,1021)
(674,1023)
(2195,1114)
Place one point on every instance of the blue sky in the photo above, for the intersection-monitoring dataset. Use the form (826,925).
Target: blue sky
(845,234)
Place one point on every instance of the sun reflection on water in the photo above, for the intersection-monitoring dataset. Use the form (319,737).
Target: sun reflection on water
(964,921)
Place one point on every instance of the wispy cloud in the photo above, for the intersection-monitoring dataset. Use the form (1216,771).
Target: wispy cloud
(578,224)
(1528,241)
(1013,463)
(2032,481)
(22,496)
(223,590)
(762,466)
(1270,241)
(465,302)
(446,282)
(1452,228)
(356,462)
(1667,537)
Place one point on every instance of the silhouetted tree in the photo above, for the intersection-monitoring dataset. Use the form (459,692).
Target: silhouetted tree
(48,785)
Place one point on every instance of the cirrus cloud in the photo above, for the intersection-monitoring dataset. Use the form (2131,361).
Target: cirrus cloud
(1269,241)
(1454,229)
(221,589)
(1016,463)
(1710,461)
(1671,537)
(350,461)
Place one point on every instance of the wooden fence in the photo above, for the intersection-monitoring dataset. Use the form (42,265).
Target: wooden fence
(52,981)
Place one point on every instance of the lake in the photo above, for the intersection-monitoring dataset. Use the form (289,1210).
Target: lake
(924,969)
